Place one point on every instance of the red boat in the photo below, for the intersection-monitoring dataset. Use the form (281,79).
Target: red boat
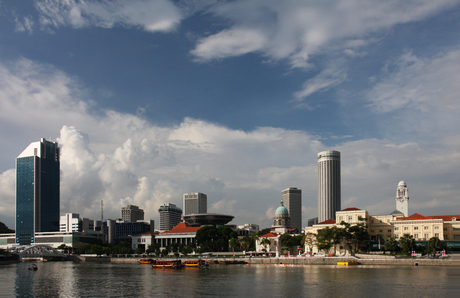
(173,264)
(195,264)
(146,261)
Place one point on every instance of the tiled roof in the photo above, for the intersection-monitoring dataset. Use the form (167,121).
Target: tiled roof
(183,227)
(327,222)
(351,209)
(269,235)
(417,216)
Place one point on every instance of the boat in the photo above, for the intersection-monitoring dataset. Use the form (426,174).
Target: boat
(33,267)
(347,263)
(172,264)
(195,264)
(145,261)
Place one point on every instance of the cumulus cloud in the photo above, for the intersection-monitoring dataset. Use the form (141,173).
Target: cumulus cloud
(150,15)
(124,159)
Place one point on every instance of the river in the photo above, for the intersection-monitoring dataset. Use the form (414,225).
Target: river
(72,279)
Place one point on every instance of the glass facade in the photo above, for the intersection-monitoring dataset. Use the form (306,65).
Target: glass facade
(37,191)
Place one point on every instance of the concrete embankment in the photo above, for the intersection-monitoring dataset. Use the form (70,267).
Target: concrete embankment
(376,260)
(367,261)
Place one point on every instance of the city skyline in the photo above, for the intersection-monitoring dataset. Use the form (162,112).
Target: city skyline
(233,99)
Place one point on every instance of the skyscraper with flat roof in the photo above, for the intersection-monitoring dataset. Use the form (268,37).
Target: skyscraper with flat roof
(37,190)
(292,199)
(195,203)
(132,213)
(170,216)
(329,198)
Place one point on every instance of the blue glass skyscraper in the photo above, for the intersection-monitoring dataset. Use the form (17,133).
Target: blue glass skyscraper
(37,190)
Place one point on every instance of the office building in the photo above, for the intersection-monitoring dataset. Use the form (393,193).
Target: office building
(71,222)
(37,191)
(170,216)
(292,200)
(132,213)
(195,203)
(329,197)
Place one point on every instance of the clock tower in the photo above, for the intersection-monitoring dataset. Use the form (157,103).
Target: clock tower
(402,198)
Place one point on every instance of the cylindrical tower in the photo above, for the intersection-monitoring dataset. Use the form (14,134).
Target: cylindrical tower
(328,185)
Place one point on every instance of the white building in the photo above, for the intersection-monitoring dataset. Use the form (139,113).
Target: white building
(329,185)
(170,216)
(195,203)
(402,198)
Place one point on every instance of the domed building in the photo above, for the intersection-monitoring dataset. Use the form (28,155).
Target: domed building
(282,219)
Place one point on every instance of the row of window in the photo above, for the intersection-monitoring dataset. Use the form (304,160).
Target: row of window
(416,228)
(425,236)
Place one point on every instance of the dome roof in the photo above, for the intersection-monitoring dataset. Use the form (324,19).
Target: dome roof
(402,183)
(282,210)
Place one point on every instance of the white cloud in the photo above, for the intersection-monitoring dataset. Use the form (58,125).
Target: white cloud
(329,77)
(295,30)
(150,15)
(123,159)
(421,95)
(25,25)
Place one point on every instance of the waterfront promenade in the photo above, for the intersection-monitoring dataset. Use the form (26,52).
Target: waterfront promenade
(361,259)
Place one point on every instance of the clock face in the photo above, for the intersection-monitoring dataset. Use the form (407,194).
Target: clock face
(401,200)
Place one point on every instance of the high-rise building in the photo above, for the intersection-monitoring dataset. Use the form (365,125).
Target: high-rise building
(195,203)
(37,190)
(132,213)
(170,216)
(402,198)
(292,200)
(329,198)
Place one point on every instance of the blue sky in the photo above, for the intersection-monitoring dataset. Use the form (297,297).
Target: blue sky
(150,99)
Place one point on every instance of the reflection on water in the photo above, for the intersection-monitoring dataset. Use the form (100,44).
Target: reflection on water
(68,279)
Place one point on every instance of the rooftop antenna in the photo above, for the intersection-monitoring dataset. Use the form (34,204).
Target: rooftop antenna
(102,211)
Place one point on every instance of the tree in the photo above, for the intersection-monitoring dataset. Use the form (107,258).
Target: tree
(324,239)
(407,243)
(433,244)
(234,243)
(309,240)
(5,229)
(391,245)
(265,242)
(356,236)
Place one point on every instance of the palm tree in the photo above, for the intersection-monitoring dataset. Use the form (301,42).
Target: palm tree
(265,242)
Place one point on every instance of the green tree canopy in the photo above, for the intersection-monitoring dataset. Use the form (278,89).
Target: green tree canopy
(407,243)
(391,244)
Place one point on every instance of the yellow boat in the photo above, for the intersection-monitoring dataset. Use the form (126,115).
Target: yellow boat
(347,263)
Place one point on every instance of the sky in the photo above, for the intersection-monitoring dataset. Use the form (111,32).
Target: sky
(151,99)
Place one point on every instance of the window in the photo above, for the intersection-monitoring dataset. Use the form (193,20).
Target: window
(396,228)
(340,218)
(406,228)
(396,237)
(350,217)
(372,231)
(436,227)
(380,231)
(372,221)
(445,229)
(415,228)
(426,228)
(427,236)
(436,235)
(389,231)
(415,236)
